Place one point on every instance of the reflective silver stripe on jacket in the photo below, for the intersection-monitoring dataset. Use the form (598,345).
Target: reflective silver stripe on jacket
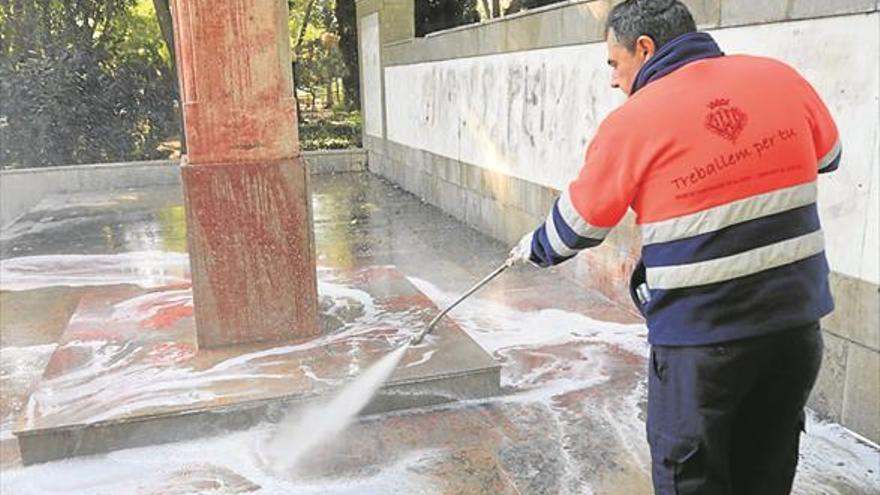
(719,217)
(737,265)
(830,156)
(556,243)
(574,220)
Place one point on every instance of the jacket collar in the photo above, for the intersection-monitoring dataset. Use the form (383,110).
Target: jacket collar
(675,54)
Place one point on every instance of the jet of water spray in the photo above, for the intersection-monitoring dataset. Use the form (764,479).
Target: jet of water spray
(300,434)
(297,435)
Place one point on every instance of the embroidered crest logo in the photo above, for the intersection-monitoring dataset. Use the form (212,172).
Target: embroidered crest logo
(725,120)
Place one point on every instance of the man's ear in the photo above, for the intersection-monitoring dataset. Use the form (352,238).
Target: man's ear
(645,47)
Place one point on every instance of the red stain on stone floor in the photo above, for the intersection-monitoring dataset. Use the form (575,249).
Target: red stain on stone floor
(168,315)
(95,333)
(170,353)
(65,359)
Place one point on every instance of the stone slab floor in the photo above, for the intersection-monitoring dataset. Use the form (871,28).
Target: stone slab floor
(571,420)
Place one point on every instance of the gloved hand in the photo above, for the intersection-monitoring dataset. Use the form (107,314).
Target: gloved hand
(522,251)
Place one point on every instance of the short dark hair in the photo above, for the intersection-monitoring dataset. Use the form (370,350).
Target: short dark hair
(660,20)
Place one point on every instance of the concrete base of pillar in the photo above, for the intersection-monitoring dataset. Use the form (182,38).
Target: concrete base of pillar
(252,251)
(158,389)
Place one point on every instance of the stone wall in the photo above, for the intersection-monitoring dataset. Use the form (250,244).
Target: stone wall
(489,121)
(22,189)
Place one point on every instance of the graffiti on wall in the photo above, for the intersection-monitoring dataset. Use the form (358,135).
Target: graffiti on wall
(527,114)
(530,114)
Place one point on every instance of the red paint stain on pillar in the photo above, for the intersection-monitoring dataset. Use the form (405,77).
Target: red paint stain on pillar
(252,252)
(245,185)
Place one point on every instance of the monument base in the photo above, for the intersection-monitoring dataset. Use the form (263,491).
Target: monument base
(126,372)
(252,251)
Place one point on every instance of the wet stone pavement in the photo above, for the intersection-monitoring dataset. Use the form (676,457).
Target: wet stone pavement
(570,420)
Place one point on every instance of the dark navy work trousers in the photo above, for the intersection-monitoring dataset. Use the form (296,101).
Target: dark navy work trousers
(726,419)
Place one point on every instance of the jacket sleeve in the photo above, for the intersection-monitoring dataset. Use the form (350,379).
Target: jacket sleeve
(592,204)
(826,140)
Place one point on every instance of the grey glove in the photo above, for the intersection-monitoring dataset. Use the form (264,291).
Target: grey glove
(522,252)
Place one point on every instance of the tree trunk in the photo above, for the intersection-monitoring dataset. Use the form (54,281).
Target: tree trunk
(302,29)
(163,16)
(299,117)
(296,51)
(166,25)
(486,8)
(329,103)
(347,22)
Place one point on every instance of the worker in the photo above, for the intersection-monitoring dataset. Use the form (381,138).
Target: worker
(718,157)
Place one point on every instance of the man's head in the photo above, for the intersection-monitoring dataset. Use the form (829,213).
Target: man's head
(636,29)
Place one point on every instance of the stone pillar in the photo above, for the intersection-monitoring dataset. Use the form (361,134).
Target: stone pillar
(245,184)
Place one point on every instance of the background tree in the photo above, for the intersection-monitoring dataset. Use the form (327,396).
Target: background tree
(299,25)
(346,21)
(166,26)
(435,15)
(81,82)
(518,5)
(328,119)
(318,62)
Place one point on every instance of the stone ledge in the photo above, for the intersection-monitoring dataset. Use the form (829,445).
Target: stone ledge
(83,407)
(857,314)
(22,189)
(746,12)
(861,396)
(336,161)
(582,22)
(827,396)
(87,167)
(555,25)
(38,446)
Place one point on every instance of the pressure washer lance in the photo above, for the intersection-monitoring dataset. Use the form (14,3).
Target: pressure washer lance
(421,335)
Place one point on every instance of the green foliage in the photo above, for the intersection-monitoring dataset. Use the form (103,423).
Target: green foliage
(92,80)
(82,82)
(334,131)
(520,5)
(436,15)
(318,66)
(143,38)
(326,52)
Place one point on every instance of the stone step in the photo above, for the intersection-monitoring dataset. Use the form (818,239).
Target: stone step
(126,372)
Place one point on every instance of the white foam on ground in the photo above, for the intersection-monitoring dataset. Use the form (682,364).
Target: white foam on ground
(111,385)
(503,331)
(115,381)
(146,269)
(146,306)
(424,358)
(140,471)
(829,452)
(20,369)
(496,326)
(340,294)
(511,335)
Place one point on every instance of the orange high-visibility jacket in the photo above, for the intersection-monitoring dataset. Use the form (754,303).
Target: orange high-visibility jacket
(719,160)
